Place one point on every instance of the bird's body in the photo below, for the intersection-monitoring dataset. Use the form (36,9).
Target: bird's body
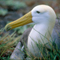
(44,18)
(41,32)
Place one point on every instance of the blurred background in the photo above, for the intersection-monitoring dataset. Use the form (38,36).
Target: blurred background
(11,10)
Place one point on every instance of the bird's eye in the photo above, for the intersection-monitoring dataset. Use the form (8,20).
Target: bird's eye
(38,11)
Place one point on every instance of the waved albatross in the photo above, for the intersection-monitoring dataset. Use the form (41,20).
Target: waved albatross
(44,18)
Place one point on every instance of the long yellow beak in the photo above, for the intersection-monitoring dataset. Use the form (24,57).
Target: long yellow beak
(19,22)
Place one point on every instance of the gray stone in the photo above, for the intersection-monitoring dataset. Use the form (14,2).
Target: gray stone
(18,53)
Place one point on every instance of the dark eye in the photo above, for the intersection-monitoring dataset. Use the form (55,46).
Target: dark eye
(38,11)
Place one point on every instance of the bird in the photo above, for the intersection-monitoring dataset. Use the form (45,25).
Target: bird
(44,18)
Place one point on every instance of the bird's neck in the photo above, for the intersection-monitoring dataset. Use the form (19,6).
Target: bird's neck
(39,27)
(44,29)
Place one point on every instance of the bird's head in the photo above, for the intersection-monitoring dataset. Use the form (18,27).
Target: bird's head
(39,14)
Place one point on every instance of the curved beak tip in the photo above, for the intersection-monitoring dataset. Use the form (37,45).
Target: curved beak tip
(7,27)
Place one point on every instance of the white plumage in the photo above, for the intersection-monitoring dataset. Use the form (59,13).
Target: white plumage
(44,23)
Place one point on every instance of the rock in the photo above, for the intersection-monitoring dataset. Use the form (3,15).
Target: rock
(18,53)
